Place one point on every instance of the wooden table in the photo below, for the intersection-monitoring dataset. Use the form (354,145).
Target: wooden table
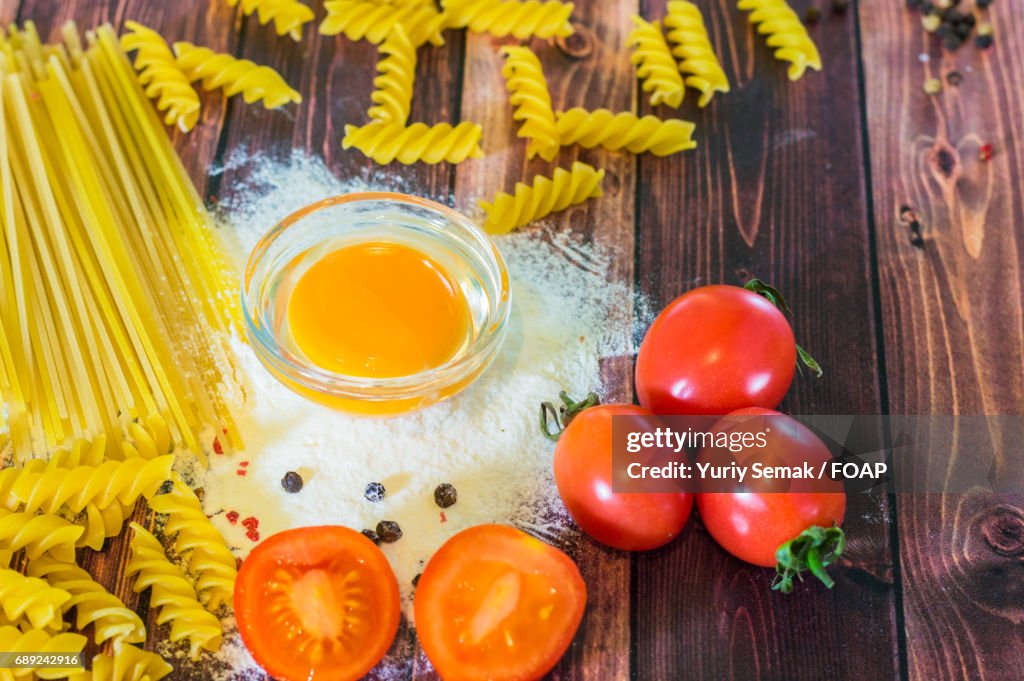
(807,185)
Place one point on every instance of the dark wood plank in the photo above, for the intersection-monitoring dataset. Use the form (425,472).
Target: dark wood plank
(775,189)
(9,11)
(593,71)
(952,316)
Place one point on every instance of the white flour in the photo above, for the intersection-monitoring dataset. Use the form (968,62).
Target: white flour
(485,441)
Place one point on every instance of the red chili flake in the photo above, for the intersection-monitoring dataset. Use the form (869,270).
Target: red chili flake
(986,152)
(232,517)
(242,472)
(253,535)
(238,563)
(444,518)
(243,464)
(250,523)
(217,449)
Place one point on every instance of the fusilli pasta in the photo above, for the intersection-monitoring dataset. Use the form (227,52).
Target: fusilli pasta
(148,441)
(359,19)
(13,640)
(93,604)
(234,76)
(208,555)
(102,486)
(785,33)
(289,16)
(615,131)
(127,663)
(525,80)
(543,197)
(387,142)
(655,64)
(161,77)
(38,534)
(172,593)
(392,97)
(519,18)
(692,47)
(32,600)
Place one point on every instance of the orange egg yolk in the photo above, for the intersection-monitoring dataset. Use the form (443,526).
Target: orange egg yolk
(377,310)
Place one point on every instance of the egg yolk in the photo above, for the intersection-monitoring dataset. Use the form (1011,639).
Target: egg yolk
(377,310)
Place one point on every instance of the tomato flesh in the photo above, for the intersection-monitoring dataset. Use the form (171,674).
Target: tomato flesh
(752,525)
(714,350)
(496,604)
(317,602)
(584,476)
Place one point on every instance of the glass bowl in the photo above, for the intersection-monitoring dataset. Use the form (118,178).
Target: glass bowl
(454,242)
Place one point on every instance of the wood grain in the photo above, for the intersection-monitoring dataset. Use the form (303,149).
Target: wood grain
(776,189)
(952,317)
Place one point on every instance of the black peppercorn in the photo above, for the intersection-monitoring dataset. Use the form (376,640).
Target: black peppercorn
(914,4)
(445,495)
(954,78)
(812,15)
(982,4)
(372,536)
(416,579)
(952,42)
(389,531)
(840,6)
(983,42)
(292,482)
(374,492)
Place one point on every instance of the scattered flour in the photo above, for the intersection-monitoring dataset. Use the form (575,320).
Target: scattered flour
(566,318)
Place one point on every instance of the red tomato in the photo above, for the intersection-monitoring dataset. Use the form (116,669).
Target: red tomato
(753,525)
(317,602)
(583,473)
(495,604)
(714,350)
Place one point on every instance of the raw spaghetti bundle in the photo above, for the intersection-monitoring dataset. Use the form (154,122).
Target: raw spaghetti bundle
(115,303)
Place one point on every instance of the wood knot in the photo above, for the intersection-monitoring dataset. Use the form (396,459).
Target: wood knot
(1003,530)
(945,159)
(579,45)
(908,216)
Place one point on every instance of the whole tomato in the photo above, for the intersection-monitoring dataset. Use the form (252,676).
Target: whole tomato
(714,350)
(583,473)
(792,525)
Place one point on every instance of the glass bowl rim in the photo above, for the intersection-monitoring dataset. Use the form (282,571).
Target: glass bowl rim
(479,352)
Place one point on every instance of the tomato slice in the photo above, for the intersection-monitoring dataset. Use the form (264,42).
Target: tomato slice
(317,603)
(496,604)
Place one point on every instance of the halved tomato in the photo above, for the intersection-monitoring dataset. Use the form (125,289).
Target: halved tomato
(495,604)
(317,603)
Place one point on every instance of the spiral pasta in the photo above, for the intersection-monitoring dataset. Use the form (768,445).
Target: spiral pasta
(545,196)
(148,441)
(525,80)
(103,485)
(785,33)
(692,47)
(392,97)
(160,76)
(208,555)
(38,534)
(172,593)
(519,18)
(111,619)
(359,19)
(13,640)
(32,600)
(655,64)
(387,142)
(126,663)
(234,76)
(625,130)
(289,16)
